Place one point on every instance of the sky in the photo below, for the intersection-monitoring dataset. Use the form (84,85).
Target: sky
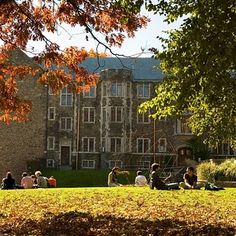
(144,38)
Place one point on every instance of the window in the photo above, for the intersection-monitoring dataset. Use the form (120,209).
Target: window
(113,163)
(51,113)
(50,163)
(88,144)
(116,89)
(143,118)
(66,97)
(91,93)
(104,90)
(162,145)
(104,144)
(51,143)
(143,145)
(104,115)
(116,114)
(50,91)
(65,123)
(88,164)
(223,149)
(89,114)
(143,90)
(182,127)
(143,165)
(115,145)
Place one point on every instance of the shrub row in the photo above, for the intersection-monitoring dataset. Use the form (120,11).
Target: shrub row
(226,171)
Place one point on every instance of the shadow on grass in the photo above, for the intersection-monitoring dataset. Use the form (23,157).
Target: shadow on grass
(83,224)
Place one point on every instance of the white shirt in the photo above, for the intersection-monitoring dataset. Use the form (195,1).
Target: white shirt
(140,180)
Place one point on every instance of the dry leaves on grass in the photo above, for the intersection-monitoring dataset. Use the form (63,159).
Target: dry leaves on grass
(83,224)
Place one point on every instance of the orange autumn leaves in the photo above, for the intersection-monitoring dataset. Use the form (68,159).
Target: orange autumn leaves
(74,76)
(24,21)
(12,108)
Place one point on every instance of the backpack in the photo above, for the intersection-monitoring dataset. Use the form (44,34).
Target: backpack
(212,187)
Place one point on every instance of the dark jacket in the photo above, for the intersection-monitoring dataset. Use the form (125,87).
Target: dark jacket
(156,182)
(8,183)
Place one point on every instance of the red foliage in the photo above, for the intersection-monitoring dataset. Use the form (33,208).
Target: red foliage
(21,21)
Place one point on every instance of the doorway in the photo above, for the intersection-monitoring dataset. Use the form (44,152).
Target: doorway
(65,155)
(183,154)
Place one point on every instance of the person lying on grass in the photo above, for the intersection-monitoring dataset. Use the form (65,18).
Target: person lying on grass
(190,180)
(112,177)
(156,182)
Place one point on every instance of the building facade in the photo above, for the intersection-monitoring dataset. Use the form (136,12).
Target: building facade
(21,143)
(99,128)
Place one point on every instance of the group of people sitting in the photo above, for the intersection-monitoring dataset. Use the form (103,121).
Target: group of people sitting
(190,180)
(28,181)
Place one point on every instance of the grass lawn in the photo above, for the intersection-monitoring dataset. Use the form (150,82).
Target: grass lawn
(117,211)
(87,178)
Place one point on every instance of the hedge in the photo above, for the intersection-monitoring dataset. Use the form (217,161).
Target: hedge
(226,171)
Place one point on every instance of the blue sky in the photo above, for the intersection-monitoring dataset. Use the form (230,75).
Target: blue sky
(144,38)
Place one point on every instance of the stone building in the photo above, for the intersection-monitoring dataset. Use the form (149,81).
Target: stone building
(99,128)
(24,142)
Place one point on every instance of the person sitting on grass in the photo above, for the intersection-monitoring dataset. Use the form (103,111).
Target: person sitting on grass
(190,180)
(42,182)
(140,179)
(26,181)
(8,182)
(52,182)
(112,177)
(156,182)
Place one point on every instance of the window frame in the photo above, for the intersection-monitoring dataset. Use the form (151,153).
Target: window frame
(47,163)
(115,147)
(143,145)
(66,123)
(88,167)
(66,94)
(182,127)
(53,142)
(117,93)
(54,113)
(116,114)
(159,146)
(142,115)
(89,112)
(87,94)
(142,86)
(88,144)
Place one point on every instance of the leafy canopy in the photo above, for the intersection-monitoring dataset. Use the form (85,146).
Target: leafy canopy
(22,21)
(199,60)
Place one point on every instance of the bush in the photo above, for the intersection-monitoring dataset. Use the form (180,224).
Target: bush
(226,170)
(206,171)
(212,172)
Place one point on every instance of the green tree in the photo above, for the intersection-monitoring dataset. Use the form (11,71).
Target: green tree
(199,60)
(200,150)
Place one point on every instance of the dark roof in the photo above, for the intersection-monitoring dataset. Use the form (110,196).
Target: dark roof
(142,68)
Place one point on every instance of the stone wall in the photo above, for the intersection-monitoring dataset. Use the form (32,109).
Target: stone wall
(20,142)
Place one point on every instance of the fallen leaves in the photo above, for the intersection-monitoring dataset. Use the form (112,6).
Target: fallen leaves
(116,211)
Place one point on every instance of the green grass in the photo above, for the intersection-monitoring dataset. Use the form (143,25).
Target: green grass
(117,211)
(86,178)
